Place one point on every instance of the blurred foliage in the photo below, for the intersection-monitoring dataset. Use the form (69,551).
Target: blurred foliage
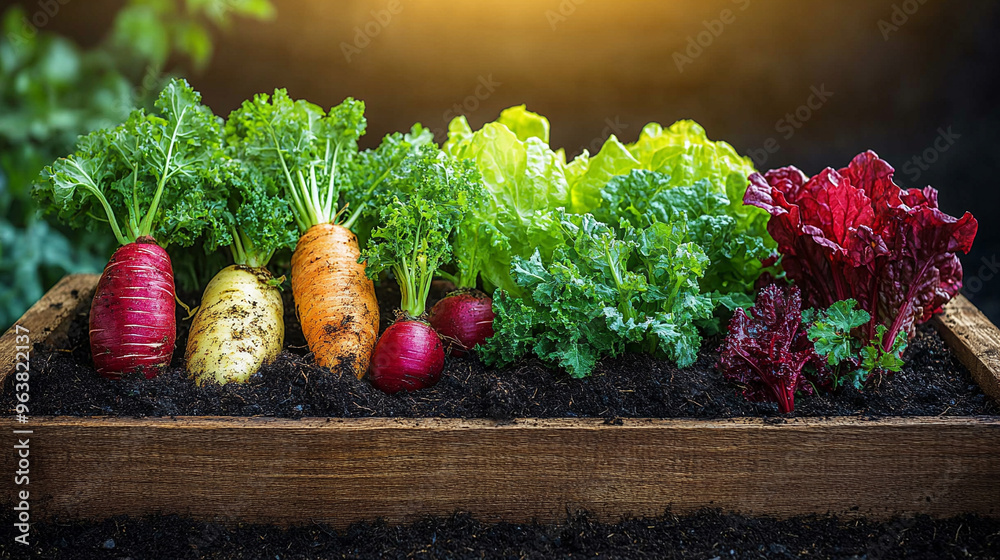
(52,91)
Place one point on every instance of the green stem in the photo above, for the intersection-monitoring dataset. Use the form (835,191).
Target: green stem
(298,210)
(146,225)
(406,290)
(254,257)
(426,277)
(349,223)
(622,297)
(331,195)
(239,253)
(306,193)
(316,204)
(134,214)
(467,275)
(90,186)
(450,277)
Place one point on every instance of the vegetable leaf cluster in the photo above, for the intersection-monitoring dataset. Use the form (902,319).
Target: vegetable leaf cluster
(371,172)
(712,178)
(254,221)
(525,183)
(603,292)
(418,214)
(304,148)
(137,175)
(768,353)
(831,331)
(854,234)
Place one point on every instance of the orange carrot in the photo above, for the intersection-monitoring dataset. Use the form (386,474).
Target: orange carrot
(334,300)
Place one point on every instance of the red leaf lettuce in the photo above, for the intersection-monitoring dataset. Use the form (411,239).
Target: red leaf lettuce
(854,234)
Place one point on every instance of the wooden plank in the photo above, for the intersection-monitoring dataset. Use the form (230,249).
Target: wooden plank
(49,317)
(340,470)
(975,340)
(343,470)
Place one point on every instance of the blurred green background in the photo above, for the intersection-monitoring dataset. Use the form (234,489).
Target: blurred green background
(52,90)
(801,82)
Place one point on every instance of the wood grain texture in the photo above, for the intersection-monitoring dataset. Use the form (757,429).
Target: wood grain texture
(339,471)
(49,317)
(344,470)
(975,340)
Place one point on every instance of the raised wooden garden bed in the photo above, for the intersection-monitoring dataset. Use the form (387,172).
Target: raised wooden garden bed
(343,470)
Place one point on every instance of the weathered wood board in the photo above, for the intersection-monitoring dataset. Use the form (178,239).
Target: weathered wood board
(975,340)
(340,471)
(343,470)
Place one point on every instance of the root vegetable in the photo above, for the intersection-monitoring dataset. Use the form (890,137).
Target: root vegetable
(144,178)
(312,155)
(132,325)
(334,299)
(408,356)
(464,316)
(238,328)
(427,202)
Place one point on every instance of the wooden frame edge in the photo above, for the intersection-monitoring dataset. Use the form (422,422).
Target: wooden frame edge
(61,303)
(899,465)
(975,341)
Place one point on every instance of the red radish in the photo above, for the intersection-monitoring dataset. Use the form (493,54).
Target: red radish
(132,325)
(147,175)
(408,356)
(425,202)
(465,316)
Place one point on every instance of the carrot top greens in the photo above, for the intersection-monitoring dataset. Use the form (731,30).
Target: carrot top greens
(135,176)
(302,147)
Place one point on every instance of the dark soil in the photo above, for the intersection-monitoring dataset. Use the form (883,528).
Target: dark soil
(63,382)
(704,535)
(933,383)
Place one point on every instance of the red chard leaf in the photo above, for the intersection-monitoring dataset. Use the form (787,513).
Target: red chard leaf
(768,351)
(853,233)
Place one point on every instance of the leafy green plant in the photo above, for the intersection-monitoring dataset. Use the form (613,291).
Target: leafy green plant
(674,170)
(604,292)
(525,182)
(427,202)
(833,332)
(644,197)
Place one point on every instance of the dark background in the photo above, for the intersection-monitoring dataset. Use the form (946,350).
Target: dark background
(600,67)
